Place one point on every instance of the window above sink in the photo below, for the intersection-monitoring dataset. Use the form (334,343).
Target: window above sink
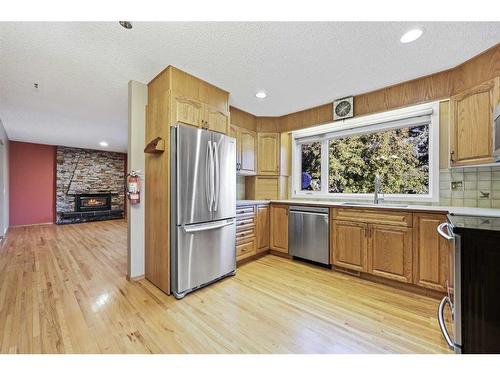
(340,160)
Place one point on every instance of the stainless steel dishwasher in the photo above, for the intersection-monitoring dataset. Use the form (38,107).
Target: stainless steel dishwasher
(308,234)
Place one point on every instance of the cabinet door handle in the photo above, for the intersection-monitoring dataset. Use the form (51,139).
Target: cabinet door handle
(452,159)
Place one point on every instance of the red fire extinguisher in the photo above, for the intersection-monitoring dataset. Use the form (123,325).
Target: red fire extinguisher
(134,187)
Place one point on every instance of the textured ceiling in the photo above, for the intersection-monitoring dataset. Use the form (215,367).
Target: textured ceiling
(83,68)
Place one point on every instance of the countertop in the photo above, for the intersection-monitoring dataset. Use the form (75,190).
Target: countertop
(461,223)
(248,202)
(470,211)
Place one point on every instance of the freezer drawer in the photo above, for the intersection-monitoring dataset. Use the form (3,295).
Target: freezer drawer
(202,254)
(308,234)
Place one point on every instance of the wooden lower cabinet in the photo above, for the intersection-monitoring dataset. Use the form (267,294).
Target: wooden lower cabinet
(262,216)
(390,252)
(348,244)
(401,246)
(245,232)
(279,228)
(245,250)
(252,230)
(431,252)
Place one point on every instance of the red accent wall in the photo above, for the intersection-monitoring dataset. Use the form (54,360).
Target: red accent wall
(32,179)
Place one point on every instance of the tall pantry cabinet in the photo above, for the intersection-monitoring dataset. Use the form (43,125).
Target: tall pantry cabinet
(173,97)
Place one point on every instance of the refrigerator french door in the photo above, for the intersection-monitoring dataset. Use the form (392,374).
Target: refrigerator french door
(203,208)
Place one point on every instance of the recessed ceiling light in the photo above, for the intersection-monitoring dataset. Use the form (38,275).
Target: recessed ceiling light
(126,24)
(103,144)
(411,35)
(260,95)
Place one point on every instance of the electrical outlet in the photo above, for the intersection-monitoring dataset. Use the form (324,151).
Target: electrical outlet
(457,185)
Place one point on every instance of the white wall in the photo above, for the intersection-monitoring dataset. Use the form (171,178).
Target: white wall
(4,181)
(137,100)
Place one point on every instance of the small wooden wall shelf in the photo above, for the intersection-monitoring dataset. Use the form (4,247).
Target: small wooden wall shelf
(156,146)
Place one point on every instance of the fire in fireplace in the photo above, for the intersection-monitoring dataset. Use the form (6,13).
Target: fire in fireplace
(92,202)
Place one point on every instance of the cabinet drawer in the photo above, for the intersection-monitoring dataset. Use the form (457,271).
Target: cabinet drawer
(376,216)
(245,227)
(246,210)
(244,221)
(249,233)
(245,250)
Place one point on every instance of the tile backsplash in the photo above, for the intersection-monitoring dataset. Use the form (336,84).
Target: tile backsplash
(240,187)
(473,187)
(470,187)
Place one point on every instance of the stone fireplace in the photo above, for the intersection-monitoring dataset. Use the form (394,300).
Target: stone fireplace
(90,185)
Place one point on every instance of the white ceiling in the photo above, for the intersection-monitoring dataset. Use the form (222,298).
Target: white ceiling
(83,67)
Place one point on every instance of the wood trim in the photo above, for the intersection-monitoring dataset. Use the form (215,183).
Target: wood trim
(280,254)
(373,216)
(412,288)
(32,225)
(243,119)
(136,278)
(437,86)
(251,258)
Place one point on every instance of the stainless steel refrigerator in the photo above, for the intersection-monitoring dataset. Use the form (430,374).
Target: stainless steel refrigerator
(203,208)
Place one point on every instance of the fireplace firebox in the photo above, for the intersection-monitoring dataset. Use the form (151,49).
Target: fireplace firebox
(92,202)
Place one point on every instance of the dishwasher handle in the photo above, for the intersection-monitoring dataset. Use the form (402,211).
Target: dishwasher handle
(309,213)
(309,210)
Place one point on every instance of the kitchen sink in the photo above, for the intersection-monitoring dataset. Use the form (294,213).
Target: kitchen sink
(374,204)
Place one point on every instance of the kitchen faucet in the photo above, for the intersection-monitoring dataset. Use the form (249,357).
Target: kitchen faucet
(376,199)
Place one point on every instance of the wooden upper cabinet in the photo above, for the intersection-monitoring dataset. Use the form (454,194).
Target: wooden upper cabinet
(233,132)
(286,154)
(431,252)
(266,187)
(268,155)
(187,111)
(262,228)
(348,244)
(216,120)
(248,145)
(471,120)
(246,149)
(390,252)
(279,228)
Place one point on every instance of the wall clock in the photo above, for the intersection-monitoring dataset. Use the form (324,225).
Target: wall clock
(343,108)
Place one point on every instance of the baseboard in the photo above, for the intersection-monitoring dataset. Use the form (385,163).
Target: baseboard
(136,278)
(280,254)
(31,225)
(252,258)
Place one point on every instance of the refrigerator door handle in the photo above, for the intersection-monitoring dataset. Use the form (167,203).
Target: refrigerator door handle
(217,176)
(208,180)
(209,226)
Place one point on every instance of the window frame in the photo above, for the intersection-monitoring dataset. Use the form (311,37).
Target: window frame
(359,125)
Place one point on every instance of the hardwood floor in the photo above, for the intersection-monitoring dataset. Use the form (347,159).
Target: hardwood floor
(63,290)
